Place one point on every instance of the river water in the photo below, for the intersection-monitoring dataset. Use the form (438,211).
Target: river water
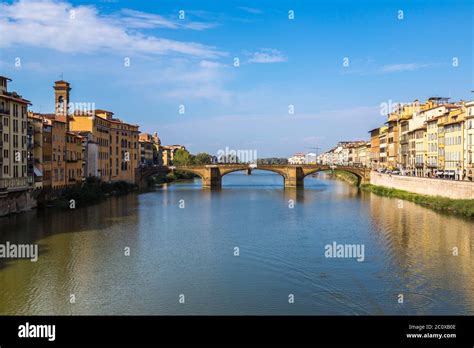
(252,247)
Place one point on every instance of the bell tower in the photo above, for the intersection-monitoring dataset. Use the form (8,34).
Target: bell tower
(61,97)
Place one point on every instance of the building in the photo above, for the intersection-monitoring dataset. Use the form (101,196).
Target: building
(310,158)
(13,141)
(47,150)
(374,157)
(90,151)
(383,160)
(151,151)
(157,151)
(58,144)
(362,154)
(74,158)
(469,141)
(392,140)
(420,145)
(125,158)
(36,122)
(297,158)
(146,150)
(454,143)
(168,152)
(432,146)
(112,145)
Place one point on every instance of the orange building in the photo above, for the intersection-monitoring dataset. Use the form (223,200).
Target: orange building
(74,160)
(117,143)
(58,145)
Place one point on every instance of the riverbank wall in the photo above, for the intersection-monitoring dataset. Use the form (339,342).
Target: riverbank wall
(16,202)
(452,189)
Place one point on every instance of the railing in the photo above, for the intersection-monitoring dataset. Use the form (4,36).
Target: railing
(4,110)
(13,183)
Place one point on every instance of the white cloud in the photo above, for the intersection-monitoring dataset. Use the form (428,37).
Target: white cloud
(66,28)
(183,79)
(206,81)
(403,67)
(143,20)
(267,55)
(250,10)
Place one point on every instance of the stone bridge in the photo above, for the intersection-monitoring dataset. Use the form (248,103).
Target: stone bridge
(211,175)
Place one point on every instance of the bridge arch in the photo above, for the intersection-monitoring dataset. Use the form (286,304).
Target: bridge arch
(280,171)
(357,173)
(143,175)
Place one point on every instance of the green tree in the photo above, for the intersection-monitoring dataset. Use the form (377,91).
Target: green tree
(182,158)
(202,158)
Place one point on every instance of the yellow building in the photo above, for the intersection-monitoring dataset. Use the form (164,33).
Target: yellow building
(405,120)
(454,143)
(392,140)
(168,152)
(441,121)
(125,158)
(383,161)
(469,141)
(13,141)
(432,145)
(419,142)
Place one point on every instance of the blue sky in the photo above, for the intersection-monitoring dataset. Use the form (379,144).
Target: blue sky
(190,61)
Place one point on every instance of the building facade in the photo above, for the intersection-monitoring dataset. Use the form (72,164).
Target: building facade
(13,142)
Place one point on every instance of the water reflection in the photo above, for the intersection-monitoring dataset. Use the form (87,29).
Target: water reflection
(182,240)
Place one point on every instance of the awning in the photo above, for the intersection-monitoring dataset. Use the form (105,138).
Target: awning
(37,172)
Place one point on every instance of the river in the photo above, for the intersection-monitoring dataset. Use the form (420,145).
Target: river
(252,247)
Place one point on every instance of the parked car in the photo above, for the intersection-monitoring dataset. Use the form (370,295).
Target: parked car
(396,172)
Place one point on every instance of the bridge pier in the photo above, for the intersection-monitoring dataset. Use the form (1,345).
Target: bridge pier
(294,177)
(212,178)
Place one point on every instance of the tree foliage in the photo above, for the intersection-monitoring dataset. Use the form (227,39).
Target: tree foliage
(202,158)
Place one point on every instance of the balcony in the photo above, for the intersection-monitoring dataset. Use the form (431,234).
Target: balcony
(14,184)
(4,110)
